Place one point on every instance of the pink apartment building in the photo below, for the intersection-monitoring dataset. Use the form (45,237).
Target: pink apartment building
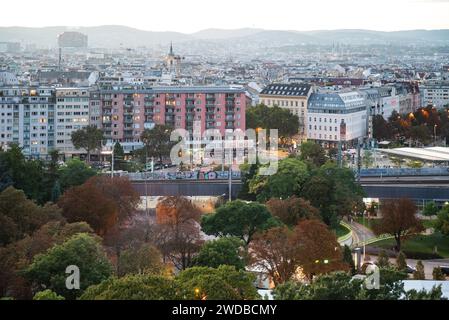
(124,113)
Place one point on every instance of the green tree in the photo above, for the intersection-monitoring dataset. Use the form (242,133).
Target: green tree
(438,274)
(238,219)
(442,222)
(26,175)
(430,209)
(287,181)
(348,258)
(222,283)
(223,251)
(74,173)
(292,210)
(83,251)
(421,134)
(89,138)
(436,293)
(56,192)
(333,286)
(248,173)
(401,262)
(157,141)
(382,260)
(381,128)
(334,192)
(20,217)
(419,274)
(312,153)
(18,255)
(47,295)
(119,157)
(142,260)
(262,116)
(133,287)
(367,159)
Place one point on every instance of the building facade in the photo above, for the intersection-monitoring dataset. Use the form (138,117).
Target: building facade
(72,113)
(435,93)
(293,97)
(125,113)
(27,118)
(337,117)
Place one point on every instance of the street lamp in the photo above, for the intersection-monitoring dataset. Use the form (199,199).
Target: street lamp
(435,132)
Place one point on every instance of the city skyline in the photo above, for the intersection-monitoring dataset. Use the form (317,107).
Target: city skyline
(283,15)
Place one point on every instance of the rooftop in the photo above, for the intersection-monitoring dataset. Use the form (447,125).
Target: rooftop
(290,89)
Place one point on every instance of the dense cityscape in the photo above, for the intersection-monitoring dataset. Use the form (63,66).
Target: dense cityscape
(225,164)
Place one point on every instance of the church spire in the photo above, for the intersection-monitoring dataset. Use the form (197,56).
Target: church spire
(171,48)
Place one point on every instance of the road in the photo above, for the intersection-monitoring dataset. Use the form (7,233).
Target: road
(429,265)
(360,233)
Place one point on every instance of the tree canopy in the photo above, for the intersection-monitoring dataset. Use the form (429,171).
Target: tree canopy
(89,138)
(222,251)
(239,219)
(262,116)
(82,250)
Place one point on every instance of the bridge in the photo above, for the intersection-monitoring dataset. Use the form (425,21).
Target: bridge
(419,188)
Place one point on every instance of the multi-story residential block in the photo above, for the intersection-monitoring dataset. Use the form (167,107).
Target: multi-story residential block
(27,117)
(382,101)
(292,96)
(435,93)
(72,113)
(125,113)
(337,116)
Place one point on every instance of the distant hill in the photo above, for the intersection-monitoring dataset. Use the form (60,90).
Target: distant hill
(115,36)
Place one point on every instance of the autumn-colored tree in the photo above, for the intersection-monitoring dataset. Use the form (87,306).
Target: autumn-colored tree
(120,191)
(87,203)
(18,255)
(179,237)
(310,246)
(100,201)
(319,251)
(145,259)
(292,210)
(275,252)
(398,219)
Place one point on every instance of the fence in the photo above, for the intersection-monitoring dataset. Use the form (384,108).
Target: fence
(184,175)
(388,172)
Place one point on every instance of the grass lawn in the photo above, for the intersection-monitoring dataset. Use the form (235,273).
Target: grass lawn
(428,223)
(341,231)
(420,246)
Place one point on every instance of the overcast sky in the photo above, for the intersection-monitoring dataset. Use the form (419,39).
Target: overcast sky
(193,15)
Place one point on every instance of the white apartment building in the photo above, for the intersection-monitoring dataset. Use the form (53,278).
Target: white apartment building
(337,116)
(72,113)
(435,93)
(27,118)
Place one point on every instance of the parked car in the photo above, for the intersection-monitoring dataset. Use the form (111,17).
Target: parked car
(445,270)
(410,269)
